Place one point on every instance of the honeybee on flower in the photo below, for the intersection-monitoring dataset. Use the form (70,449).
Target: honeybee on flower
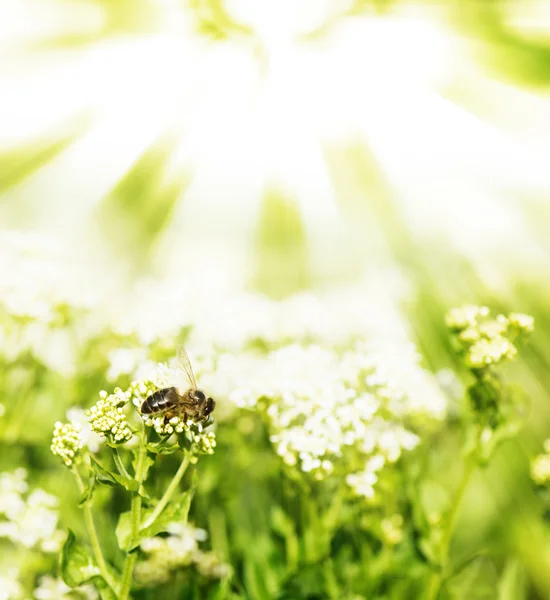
(175,408)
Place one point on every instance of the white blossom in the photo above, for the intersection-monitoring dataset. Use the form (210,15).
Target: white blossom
(51,588)
(328,408)
(10,588)
(67,441)
(107,416)
(29,519)
(179,550)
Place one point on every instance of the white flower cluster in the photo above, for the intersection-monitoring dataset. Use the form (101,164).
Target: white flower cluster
(51,588)
(363,482)
(159,377)
(66,441)
(180,549)
(163,427)
(202,442)
(28,519)
(330,410)
(10,588)
(487,341)
(108,418)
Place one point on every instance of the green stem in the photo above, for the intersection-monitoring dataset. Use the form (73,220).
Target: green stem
(169,491)
(119,464)
(434,585)
(131,557)
(92,533)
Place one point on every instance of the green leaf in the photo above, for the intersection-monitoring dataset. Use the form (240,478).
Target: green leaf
(162,448)
(174,512)
(123,530)
(477,580)
(75,563)
(118,444)
(281,523)
(88,492)
(108,478)
(429,552)
(512,584)
(308,582)
(105,591)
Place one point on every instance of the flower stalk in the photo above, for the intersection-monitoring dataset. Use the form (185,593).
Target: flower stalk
(436,580)
(131,557)
(92,533)
(167,496)
(119,464)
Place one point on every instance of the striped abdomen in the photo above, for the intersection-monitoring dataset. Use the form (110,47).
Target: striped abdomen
(160,401)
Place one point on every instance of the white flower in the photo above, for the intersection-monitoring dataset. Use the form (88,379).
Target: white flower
(486,340)
(107,416)
(12,487)
(327,408)
(30,520)
(525,323)
(363,482)
(67,441)
(51,588)
(180,549)
(38,523)
(10,588)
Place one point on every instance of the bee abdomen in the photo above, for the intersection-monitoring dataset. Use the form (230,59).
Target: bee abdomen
(159,401)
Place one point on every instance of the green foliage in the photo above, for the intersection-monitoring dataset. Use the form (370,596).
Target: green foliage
(108,478)
(285,528)
(76,564)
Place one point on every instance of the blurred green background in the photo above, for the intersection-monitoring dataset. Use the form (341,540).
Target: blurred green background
(190,151)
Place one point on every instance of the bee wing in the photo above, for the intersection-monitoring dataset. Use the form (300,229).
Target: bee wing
(172,397)
(185,365)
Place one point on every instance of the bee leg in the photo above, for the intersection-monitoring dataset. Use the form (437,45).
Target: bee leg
(168,416)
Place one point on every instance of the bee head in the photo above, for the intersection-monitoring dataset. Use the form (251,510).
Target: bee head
(198,396)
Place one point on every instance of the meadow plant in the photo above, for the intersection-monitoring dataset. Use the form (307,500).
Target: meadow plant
(322,457)
(153,536)
(494,410)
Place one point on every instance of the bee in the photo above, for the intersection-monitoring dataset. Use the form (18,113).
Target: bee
(173,401)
